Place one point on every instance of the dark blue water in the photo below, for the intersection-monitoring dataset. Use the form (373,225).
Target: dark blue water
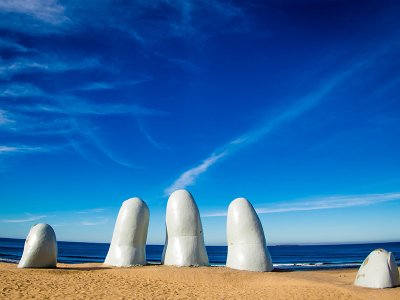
(308,257)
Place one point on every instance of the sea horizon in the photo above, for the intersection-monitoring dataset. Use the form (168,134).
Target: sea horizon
(221,245)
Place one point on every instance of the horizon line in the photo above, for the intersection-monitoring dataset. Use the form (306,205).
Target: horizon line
(268,245)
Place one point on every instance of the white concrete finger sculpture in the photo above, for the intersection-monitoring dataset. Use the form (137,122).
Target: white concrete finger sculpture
(40,249)
(247,249)
(184,242)
(379,270)
(128,244)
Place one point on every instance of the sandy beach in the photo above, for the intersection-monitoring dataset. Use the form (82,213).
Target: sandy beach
(95,281)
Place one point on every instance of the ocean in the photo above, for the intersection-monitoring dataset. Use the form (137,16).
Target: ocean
(289,257)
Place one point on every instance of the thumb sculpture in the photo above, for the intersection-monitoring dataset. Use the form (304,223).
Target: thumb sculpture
(379,270)
(128,244)
(247,249)
(40,249)
(184,242)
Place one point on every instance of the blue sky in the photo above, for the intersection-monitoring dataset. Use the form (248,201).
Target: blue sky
(291,104)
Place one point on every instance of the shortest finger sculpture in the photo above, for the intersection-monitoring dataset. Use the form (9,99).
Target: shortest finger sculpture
(379,270)
(40,249)
(128,244)
(247,249)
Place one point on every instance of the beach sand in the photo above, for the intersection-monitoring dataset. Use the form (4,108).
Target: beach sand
(95,281)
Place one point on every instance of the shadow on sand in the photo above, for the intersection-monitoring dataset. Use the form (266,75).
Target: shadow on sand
(282,270)
(83,268)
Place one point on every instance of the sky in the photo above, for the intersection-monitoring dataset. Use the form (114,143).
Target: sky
(294,105)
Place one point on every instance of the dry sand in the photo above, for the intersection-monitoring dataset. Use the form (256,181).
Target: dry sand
(95,281)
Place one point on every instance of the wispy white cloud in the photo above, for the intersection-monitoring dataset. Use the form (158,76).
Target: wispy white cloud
(44,63)
(11,44)
(30,125)
(96,86)
(97,221)
(96,141)
(35,116)
(92,210)
(61,114)
(28,218)
(74,106)
(38,17)
(19,89)
(39,112)
(48,11)
(71,122)
(188,22)
(185,65)
(66,104)
(108,85)
(85,136)
(318,203)
(81,107)
(21,149)
(263,129)
(189,177)
(148,136)
(5,118)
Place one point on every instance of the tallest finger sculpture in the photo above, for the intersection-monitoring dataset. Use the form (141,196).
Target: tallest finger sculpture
(184,242)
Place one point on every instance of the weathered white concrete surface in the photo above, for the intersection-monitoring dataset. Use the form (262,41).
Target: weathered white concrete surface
(128,244)
(379,270)
(184,242)
(247,249)
(40,249)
